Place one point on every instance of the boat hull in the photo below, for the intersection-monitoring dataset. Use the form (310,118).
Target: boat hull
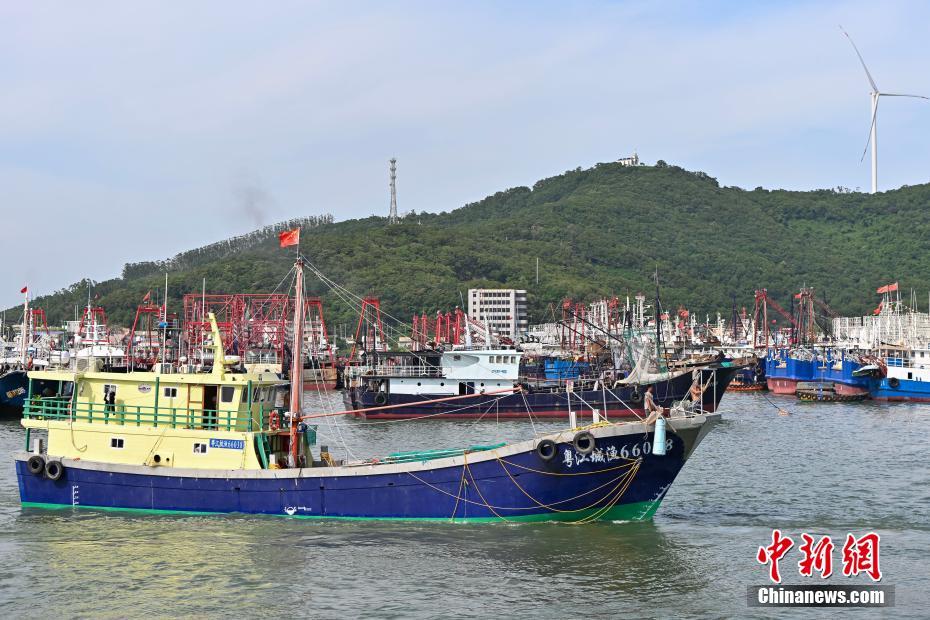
(905,390)
(624,481)
(14,387)
(13,390)
(780,385)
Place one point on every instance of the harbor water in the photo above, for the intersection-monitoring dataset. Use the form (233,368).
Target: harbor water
(826,469)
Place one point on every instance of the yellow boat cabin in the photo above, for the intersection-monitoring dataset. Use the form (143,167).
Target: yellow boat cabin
(220,419)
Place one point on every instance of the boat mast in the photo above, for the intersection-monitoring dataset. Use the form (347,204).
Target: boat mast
(297,362)
(658,316)
(24,336)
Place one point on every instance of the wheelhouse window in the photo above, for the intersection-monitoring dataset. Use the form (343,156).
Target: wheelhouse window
(200,448)
(117,442)
(171,392)
(227,394)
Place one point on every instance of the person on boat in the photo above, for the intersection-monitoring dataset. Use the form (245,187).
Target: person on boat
(653,410)
(109,400)
(696,393)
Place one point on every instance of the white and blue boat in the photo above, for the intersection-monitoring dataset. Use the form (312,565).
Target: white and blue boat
(906,377)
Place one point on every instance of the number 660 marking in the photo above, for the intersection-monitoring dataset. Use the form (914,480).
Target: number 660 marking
(646,448)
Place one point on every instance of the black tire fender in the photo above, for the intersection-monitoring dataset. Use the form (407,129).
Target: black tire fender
(894,382)
(546,450)
(54,470)
(35,464)
(381,398)
(636,397)
(583,443)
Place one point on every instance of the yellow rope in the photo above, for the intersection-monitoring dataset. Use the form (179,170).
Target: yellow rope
(458,495)
(629,463)
(477,490)
(620,493)
(622,477)
(625,479)
(476,503)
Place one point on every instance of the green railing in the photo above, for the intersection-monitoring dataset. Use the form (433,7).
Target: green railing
(139,415)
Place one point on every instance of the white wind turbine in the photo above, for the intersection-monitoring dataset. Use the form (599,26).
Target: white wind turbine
(873,132)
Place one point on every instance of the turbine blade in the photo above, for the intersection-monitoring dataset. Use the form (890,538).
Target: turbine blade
(869,139)
(867,74)
(900,95)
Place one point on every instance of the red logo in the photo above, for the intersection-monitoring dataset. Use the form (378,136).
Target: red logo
(774,552)
(860,555)
(817,557)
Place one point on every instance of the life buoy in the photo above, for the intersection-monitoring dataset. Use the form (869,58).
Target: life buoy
(636,397)
(583,443)
(274,421)
(546,450)
(894,382)
(35,464)
(380,398)
(54,470)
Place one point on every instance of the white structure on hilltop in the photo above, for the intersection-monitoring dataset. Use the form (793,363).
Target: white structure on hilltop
(503,309)
(632,160)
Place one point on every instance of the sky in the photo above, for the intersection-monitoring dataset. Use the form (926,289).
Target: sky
(135,130)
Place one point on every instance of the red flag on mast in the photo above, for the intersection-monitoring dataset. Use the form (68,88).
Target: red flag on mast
(888,288)
(289,237)
(25,289)
(147,297)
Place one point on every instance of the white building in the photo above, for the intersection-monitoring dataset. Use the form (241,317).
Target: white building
(629,161)
(504,309)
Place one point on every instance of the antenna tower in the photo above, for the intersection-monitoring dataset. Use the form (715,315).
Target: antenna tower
(392,218)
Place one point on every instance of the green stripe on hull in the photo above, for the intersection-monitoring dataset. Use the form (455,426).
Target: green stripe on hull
(638,511)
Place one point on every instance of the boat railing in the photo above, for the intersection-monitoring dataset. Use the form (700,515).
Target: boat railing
(141,415)
(397,370)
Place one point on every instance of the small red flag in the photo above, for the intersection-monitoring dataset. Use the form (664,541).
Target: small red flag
(289,237)
(878,310)
(888,288)
(25,289)
(147,297)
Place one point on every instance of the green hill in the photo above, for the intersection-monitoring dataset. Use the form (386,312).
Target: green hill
(596,232)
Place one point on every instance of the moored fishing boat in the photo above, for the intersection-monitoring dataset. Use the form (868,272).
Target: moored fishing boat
(485,383)
(784,369)
(903,376)
(216,443)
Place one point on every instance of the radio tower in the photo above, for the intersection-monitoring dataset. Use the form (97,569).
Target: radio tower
(392,218)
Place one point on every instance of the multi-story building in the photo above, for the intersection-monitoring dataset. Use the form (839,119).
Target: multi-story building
(504,309)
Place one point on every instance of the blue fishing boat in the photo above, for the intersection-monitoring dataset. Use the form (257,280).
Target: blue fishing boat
(14,385)
(218,442)
(840,369)
(785,368)
(900,377)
